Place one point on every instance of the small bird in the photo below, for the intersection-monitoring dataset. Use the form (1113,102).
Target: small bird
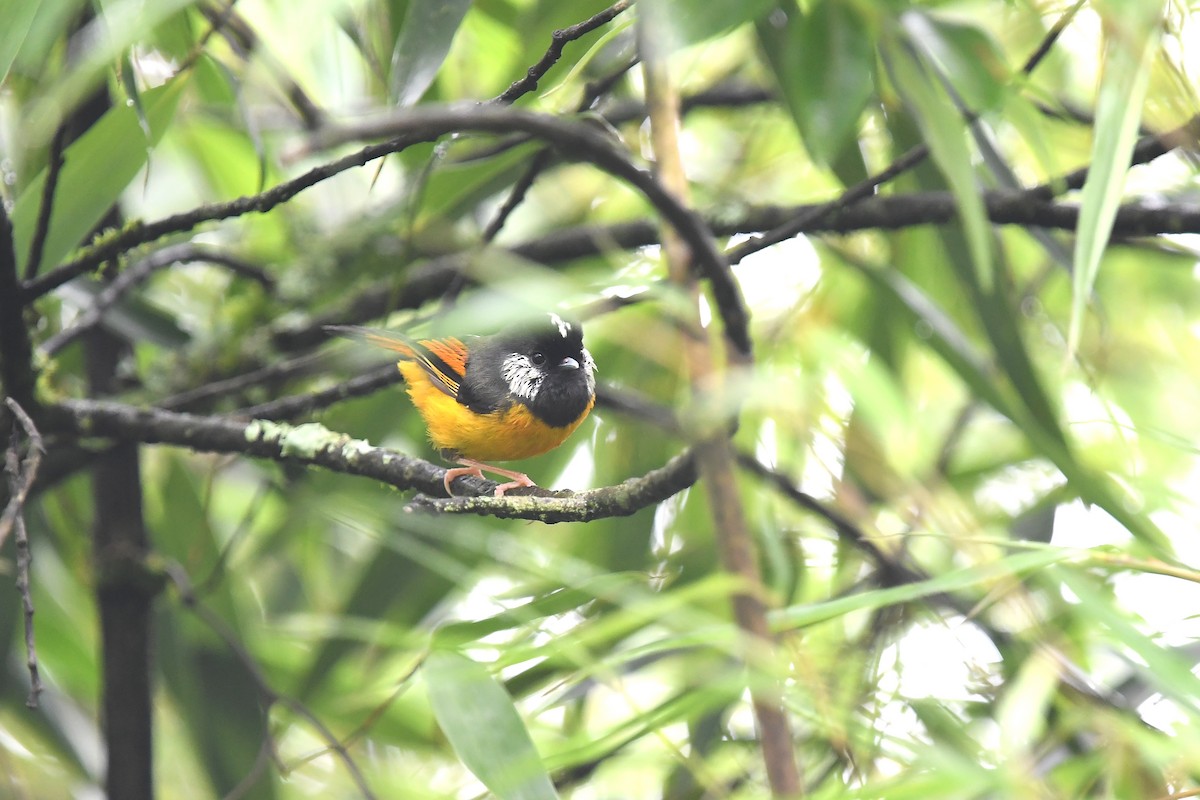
(513,395)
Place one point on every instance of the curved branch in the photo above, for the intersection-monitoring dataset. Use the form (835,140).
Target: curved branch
(115,290)
(571,138)
(313,444)
(581,142)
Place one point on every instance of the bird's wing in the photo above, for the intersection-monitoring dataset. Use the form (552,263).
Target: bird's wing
(444,360)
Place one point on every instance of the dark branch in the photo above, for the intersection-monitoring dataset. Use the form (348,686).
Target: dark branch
(119,286)
(299,405)
(54,164)
(582,142)
(16,364)
(21,476)
(559,40)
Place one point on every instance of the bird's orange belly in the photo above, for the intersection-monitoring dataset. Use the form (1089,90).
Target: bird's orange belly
(506,435)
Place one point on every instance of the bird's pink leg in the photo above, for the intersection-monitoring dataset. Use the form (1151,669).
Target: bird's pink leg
(476,468)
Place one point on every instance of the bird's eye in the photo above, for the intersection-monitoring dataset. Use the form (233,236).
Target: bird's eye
(538,358)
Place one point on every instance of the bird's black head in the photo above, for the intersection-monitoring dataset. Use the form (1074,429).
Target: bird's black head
(543,365)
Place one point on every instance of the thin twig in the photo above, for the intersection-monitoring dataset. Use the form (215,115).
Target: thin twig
(270,375)
(537,165)
(121,285)
(559,39)
(54,164)
(21,476)
(217,22)
(299,405)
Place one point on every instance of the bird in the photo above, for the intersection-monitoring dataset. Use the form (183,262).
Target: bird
(503,397)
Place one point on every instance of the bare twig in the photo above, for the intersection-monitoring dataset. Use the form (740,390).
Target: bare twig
(54,164)
(119,286)
(545,157)
(21,475)
(298,405)
(559,39)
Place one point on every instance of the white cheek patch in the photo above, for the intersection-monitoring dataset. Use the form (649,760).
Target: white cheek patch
(564,327)
(589,369)
(522,377)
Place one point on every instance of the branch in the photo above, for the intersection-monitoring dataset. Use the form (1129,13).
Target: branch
(313,444)
(888,212)
(558,41)
(21,475)
(298,405)
(121,285)
(54,164)
(114,244)
(613,501)
(582,142)
(16,357)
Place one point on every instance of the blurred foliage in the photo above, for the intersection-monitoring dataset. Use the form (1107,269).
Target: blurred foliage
(1038,480)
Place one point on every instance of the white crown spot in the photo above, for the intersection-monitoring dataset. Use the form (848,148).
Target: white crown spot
(564,327)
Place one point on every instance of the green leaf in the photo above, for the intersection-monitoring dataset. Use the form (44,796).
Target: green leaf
(822,62)
(945,133)
(1001,569)
(96,169)
(1129,54)
(967,58)
(688,22)
(18,20)
(484,728)
(119,24)
(428,32)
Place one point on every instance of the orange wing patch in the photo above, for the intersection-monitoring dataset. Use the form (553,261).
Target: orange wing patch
(443,360)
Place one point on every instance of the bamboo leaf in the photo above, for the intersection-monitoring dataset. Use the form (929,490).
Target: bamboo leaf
(18,23)
(1018,563)
(484,728)
(946,135)
(822,61)
(425,39)
(689,22)
(1130,48)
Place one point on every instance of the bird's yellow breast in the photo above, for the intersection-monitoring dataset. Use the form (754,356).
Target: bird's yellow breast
(508,434)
